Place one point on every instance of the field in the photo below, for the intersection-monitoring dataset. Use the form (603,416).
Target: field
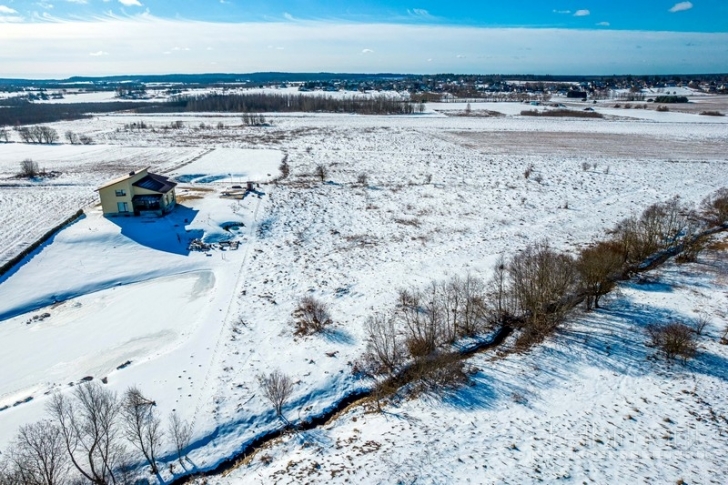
(445,195)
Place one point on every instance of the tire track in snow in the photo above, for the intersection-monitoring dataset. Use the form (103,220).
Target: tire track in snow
(226,318)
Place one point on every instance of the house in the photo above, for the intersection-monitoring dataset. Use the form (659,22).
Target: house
(138,193)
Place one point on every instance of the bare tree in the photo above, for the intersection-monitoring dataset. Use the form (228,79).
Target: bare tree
(71,137)
(181,433)
(48,135)
(499,291)
(90,431)
(24,133)
(277,388)
(715,207)
(474,314)
(423,320)
(4,135)
(284,167)
(541,279)
(85,139)
(38,455)
(29,168)
(598,267)
(321,172)
(142,427)
(384,348)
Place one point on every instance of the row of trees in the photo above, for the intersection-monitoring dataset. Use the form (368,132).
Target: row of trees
(268,102)
(535,290)
(38,134)
(94,437)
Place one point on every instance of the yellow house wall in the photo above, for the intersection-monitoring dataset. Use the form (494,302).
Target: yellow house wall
(109,199)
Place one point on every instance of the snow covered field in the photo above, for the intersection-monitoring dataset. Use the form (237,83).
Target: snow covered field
(446,195)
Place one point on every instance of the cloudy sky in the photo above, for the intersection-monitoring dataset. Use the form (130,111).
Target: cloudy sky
(60,38)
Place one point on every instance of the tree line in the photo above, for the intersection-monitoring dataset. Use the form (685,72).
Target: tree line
(532,293)
(268,102)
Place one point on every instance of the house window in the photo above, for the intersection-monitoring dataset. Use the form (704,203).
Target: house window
(122,207)
(121,193)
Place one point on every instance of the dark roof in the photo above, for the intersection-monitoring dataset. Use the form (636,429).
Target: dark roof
(157,183)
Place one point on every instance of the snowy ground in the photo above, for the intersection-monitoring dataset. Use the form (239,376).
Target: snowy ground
(447,195)
(590,406)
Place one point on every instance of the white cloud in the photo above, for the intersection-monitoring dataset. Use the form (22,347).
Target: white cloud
(564,12)
(420,13)
(681,7)
(130,3)
(603,24)
(582,13)
(98,53)
(10,19)
(7,10)
(77,1)
(367,51)
(460,56)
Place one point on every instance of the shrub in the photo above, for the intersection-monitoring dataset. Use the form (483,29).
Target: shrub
(437,374)
(714,208)
(673,340)
(312,316)
(711,113)
(529,170)
(692,249)
(29,168)
(363,179)
(662,108)
(284,168)
(321,172)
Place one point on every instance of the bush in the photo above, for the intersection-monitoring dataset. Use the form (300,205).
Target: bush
(673,340)
(363,179)
(29,168)
(321,172)
(662,109)
(711,113)
(312,316)
(437,374)
(529,170)
(714,208)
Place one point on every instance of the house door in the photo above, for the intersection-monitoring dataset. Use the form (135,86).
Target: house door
(122,207)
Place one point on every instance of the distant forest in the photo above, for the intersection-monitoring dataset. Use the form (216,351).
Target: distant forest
(266,102)
(16,113)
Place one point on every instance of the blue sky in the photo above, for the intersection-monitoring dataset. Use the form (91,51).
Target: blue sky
(54,38)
